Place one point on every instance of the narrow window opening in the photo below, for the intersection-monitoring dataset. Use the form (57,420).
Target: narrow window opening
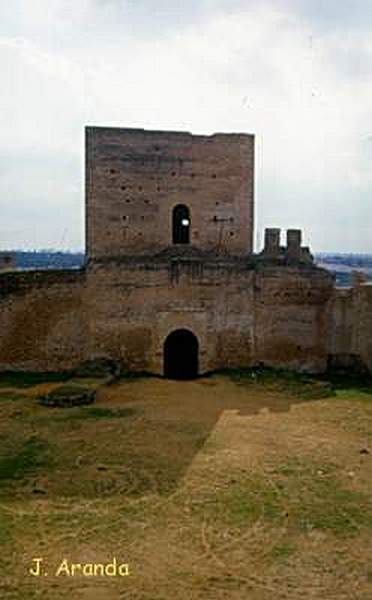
(181,224)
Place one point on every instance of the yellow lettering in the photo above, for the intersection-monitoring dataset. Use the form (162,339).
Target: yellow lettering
(124,570)
(63,568)
(88,570)
(75,567)
(37,568)
(99,570)
(111,568)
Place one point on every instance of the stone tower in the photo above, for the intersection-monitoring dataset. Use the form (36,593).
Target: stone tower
(148,190)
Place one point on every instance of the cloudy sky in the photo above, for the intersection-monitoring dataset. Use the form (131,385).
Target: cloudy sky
(297,73)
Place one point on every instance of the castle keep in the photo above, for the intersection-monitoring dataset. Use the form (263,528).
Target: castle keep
(171,284)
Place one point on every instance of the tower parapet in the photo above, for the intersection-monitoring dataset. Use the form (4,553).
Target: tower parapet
(272,242)
(293,252)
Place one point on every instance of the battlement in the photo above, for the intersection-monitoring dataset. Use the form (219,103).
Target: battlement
(292,252)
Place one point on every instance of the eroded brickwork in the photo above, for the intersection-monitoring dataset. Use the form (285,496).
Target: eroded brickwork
(350,327)
(42,320)
(133,309)
(291,320)
(135,179)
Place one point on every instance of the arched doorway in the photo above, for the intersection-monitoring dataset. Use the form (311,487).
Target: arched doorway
(181,224)
(181,355)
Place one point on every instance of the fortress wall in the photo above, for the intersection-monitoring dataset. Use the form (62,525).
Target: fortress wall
(134,179)
(133,310)
(362,323)
(241,317)
(41,320)
(350,327)
(291,319)
(341,326)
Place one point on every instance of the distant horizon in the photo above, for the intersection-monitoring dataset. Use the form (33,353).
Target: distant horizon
(82,252)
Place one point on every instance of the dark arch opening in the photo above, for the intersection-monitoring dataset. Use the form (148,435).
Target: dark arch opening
(181,351)
(181,224)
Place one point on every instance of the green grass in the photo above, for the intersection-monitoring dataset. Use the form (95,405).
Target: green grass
(317,499)
(296,497)
(242,504)
(9,396)
(98,412)
(283,550)
(150,457)
(302,385)
(23,379)
(327,506)
(6,525)
(351,382)
(128,377)
(280,380)
(30,456)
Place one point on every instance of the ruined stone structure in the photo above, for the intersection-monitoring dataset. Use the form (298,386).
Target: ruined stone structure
(171,284)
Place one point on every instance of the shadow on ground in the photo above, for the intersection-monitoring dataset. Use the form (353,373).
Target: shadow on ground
(140,436)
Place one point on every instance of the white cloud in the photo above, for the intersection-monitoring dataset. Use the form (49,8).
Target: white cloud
(305,91)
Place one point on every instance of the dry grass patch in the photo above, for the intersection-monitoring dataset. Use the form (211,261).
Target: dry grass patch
(213,489)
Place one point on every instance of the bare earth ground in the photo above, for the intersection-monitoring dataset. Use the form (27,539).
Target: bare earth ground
(216,488)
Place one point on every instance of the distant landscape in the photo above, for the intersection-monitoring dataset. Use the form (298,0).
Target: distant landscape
(340,264)
(49,259)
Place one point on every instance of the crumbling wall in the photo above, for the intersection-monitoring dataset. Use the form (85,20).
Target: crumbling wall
(291,319)
(362,333)
(350,327)
(341,350)
(42,320)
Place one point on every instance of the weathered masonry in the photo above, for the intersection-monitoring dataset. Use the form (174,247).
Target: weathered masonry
(171,284)
(147,191)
